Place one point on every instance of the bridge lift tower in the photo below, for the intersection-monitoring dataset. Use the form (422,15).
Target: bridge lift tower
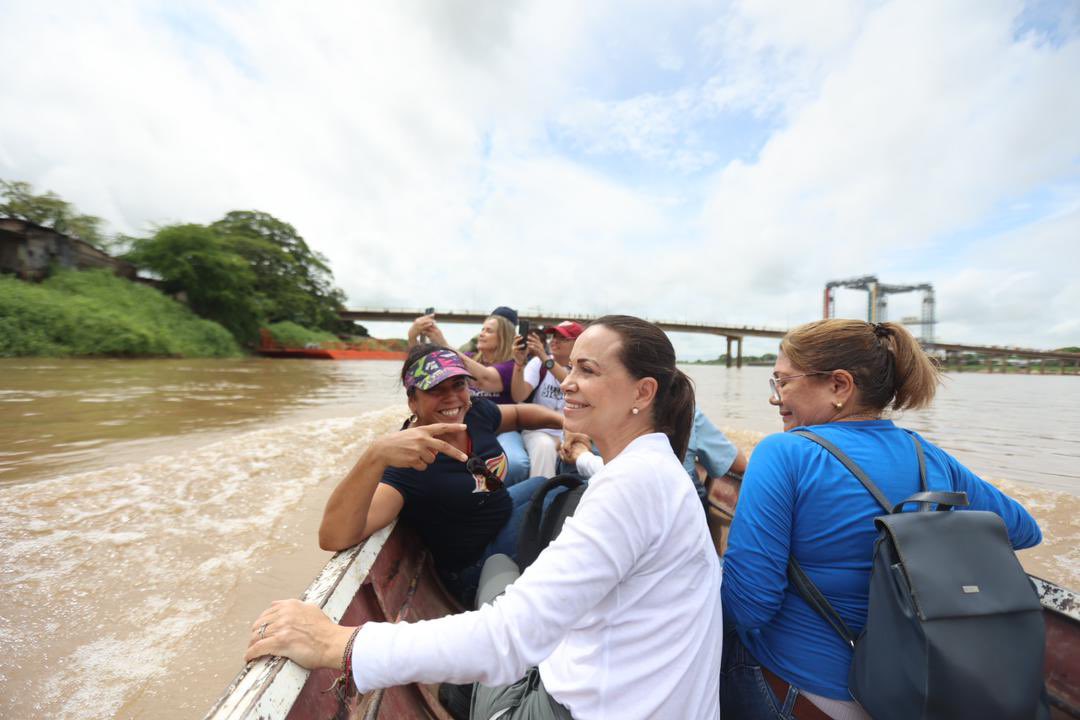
(877,304)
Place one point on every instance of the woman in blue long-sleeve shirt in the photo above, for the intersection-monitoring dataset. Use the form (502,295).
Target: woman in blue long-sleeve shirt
(836,378)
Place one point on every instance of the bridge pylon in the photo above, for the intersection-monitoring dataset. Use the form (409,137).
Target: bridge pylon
(877,294)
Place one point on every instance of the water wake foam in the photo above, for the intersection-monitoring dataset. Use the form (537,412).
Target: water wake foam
(107,573)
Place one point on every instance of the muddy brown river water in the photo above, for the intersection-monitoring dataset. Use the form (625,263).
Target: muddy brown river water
(153,507)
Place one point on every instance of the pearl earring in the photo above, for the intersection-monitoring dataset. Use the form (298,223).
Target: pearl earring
(635,411)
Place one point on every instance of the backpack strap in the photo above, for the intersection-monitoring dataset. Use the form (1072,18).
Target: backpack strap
(798,577)
(533,536)
(923,506)
(922,463)
(813,597)
(944,501)
(858,471)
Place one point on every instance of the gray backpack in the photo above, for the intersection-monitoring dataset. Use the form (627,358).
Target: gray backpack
(954,627)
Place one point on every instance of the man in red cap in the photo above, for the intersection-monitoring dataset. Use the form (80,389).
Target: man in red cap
(537,378)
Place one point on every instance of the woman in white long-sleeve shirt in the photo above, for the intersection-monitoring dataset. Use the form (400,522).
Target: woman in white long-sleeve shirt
(621,612)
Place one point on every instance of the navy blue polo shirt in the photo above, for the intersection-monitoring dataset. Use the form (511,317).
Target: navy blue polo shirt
(455,522)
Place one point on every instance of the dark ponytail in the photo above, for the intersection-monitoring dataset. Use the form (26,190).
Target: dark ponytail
(678,413)
(646,351)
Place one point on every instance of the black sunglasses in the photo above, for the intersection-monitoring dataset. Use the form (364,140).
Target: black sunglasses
(477,466)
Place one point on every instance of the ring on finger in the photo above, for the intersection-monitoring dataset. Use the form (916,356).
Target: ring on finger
(262,631)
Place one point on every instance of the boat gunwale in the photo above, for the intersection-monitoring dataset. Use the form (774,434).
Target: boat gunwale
(1057,598)
(268,686)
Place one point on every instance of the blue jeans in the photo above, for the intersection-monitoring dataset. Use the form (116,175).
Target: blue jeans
(517,458)
(744,694)
(463,582)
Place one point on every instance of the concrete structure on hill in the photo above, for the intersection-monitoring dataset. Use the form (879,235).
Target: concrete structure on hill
(28,250)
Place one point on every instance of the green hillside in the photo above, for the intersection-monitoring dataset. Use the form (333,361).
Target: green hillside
(289,334)
(97,314)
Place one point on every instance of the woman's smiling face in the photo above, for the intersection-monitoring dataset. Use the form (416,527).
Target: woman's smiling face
(488,339)
(447,402)
(599,391)
(804,399)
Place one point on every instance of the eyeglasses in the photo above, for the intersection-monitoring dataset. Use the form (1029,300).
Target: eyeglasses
(480,470)
(775,383)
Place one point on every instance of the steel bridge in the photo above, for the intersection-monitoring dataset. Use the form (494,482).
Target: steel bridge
(953,353)
(733,333)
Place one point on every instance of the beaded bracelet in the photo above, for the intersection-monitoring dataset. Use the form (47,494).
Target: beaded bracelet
(346,657)
(341,685)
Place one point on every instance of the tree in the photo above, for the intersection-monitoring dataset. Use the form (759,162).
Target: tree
(294,282)
(49,210)
(245,270)
(219,283)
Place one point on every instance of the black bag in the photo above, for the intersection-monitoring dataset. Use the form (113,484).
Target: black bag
(954,627)
(539,528)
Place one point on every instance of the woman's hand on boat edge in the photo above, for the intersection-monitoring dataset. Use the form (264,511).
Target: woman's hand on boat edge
(417,447)
(299,631)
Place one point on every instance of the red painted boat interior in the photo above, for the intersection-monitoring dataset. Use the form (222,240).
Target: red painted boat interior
(1062,669)
(402,586)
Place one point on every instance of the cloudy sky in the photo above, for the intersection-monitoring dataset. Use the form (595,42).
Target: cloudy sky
(685,160)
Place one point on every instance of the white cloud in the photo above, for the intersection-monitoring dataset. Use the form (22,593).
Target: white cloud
(1022,288)
(412,143)
(651,126)
(934,119)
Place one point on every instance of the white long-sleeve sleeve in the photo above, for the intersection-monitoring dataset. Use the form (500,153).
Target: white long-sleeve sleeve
(588,464)
(621,612)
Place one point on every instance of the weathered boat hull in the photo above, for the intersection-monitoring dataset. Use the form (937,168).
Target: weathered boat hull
(1061,610)
(390,577)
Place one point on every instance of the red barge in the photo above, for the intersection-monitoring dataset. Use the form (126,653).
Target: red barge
(268,347)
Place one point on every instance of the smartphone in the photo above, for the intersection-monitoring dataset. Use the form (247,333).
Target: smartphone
(427,311)
(523,331)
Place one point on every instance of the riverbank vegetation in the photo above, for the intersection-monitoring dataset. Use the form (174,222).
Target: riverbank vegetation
(766,359)
(289,334)
(98,314)
(246,271)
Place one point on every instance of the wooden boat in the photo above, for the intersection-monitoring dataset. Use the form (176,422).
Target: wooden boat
(387,577)
(390,577)
(1061,611)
